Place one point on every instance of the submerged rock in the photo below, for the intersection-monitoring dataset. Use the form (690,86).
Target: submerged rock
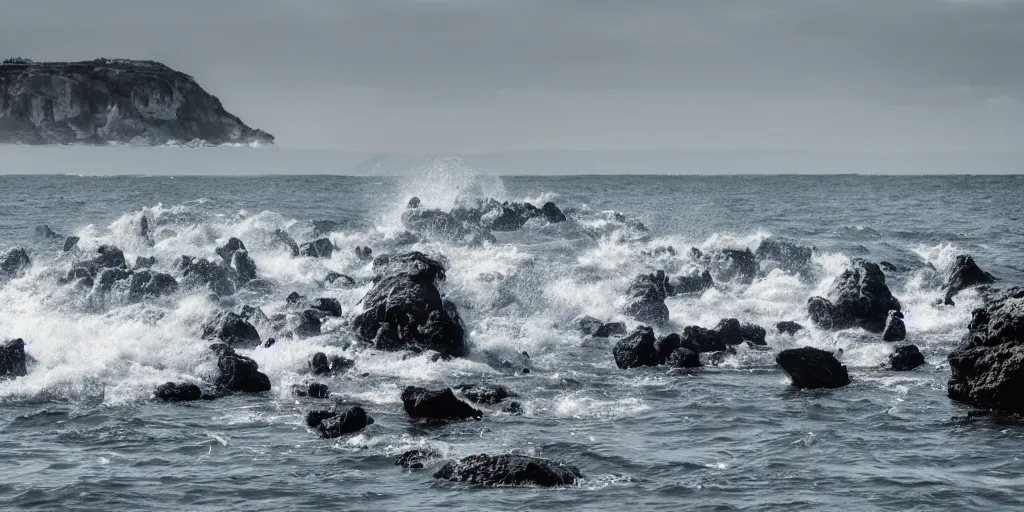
(404,309)
(436,404)
(321,364)
(13,263)
(590,326)
(906,358)
(334,424)
(859,298)
(178,392)
(813,368)
(788,327)
(963,274)
(70,243)
(645,298)
(45,232)
(12,359)
(312,390)
(988,365)
(487,394)
(508,470)
(112,100)
(636,350)
(414,459)
(895,330)
(239,373)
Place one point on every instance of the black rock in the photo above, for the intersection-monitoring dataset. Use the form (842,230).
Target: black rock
(70,243)
(514,408)
(108,276)
(320,248)
(860,298)
(321,364)
(790,256)
(755,334)
(693,284)
(294,298)
(109,257)
(309,324)
(328,305)
(144,227)
(590,326)
(232,329)
(645,298)
(12,359)
(239,373)
(143,262)
(730,331)
(512,216)
(508,470)
(666,345)
(788,327)
(684,358)
(963,274)
(253,314)
(414,202)
(113,101)
(988,365)
(147,283)
(245,267)
(178,392)
(487,394)
(313,390)
(364,253)
(343,423)
(220,278)
(699,339)
(906,358)
(895,330)
(436,404)
(333,276)
(414,459)
(552,213)
(13,263)
(45,232)
(636,350)
(404,309)
(731,265)
(813,368)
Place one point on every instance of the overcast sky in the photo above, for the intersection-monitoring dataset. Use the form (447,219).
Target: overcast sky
(480,75)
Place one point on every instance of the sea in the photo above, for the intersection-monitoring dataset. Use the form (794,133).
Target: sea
(82,430)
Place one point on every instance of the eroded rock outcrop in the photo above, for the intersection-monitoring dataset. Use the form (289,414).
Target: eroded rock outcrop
(988,365)
(12,359)
(103,101)
(508,470)
(645,298)
(963,274)
(859,297)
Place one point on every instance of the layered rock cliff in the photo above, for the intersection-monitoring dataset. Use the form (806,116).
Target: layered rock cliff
(112,101)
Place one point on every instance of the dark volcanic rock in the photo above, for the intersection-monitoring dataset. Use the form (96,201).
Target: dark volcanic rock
(364,253)
(245,267)
(693,284)
(13,263)
(813,368)
(219,278)
(414,459)
(895,330)
(321,364)
(232,329)
(788,327)
(637,349)
(319,248)
(109,257)
(551,213)
(108,276)
(146,283)
(753,333)
(228,249)
(727,333)
(906,358)
(328,305)
(70,243)
(312,390)
(590,326)
(178,392)
(645,298)
(104,100)
(404,309)
(487,394)
(790,256)
(988,365)
(143,262)
(508,470)
(333,276)
(436,404)
(963,274)
(337,424)
(239,373)
(284,238)
(12,359)
(731,265)
(859,298)
(684,358)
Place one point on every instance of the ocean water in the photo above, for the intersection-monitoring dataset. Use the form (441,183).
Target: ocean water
(82,432)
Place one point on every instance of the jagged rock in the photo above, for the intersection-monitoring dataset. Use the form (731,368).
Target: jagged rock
(13,263)
(312,390)
(232,329)
(693,284)
(551,213)
(963,274)
(45,231)
(727,333)
(220,279)
(320,248)
(111,100)
(788,327)
(70,243)
(404,309)
(906,358)
(320,364)
(141,262)
(283,237)
(245,267)
(487,394)
(731,265)
(12,359)
(294,299)
(894,330)
(178,392)
(860,298)
(637,349)
(239,373)
(446,226)
(511,216)
(253,314)
(790,256)
(684,358)
(699,339)
(146,283)
(508,470)
(414,459)
(328,305)
(108,276)
(436,404)
(988,365)
(813,368)
(334,424)
(333,276)
(645,298)
(109,257)
(755,334)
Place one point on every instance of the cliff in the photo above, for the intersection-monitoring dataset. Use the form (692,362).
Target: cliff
(112,101)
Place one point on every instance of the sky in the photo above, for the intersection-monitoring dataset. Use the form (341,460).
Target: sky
(458,76)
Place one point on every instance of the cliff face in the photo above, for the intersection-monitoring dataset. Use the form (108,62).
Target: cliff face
(112,101)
